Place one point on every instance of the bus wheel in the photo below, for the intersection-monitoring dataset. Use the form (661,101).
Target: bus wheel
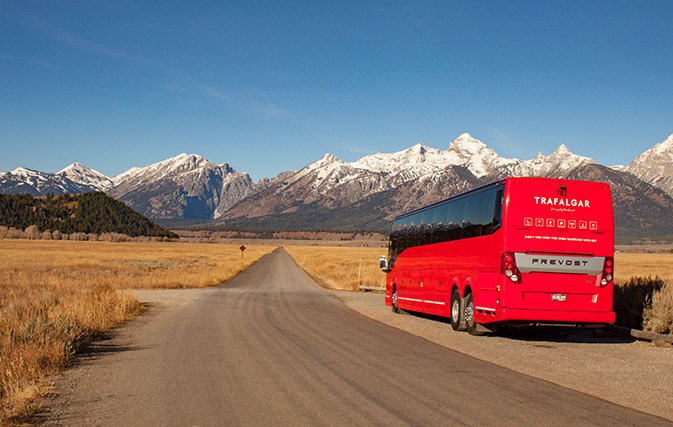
(472,326)
(395,308)
(455,310)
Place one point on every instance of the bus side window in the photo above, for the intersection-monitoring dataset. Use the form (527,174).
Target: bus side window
(413,230)
(487,212)
(425,232)
(398,237)
(394,246)
(439,229)
(454,219)
(497,210)
(472,219)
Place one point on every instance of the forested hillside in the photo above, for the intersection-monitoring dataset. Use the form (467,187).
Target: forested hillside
(93,212)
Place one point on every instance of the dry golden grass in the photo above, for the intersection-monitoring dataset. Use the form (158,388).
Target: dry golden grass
(629,265)
(658,317)
(56,295)
(338,267)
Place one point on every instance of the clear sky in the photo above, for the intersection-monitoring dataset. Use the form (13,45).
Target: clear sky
(269,86)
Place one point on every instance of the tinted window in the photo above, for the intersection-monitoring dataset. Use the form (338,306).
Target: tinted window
(439,213)
(439,223)
(425,232)
(472,220)
(411,233)
(454,219)
(497,214)
(488,212)
(473,215)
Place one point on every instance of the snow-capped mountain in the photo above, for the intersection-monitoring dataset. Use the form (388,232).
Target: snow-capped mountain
(471,153)
(655,166)
(185,186)
(35,183)
(377,186)
(331,183)
(328,182)
(422,160)
(83,175)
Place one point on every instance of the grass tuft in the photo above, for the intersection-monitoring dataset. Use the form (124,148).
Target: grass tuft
(632,298)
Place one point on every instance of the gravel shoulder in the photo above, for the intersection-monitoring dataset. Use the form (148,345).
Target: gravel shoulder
(633,374)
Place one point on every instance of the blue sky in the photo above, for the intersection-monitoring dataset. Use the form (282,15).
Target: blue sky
(273,86)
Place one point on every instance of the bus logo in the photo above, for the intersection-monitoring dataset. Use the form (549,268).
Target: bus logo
(572,223)
(539,222)
(561,223)
(583,225)
(528,222)
(593,225)
(550,223)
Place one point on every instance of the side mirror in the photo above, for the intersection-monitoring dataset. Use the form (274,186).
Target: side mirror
(383,262)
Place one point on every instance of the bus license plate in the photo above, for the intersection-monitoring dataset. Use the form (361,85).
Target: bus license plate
(558,297)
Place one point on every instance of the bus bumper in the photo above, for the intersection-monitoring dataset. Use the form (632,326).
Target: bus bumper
(551,317)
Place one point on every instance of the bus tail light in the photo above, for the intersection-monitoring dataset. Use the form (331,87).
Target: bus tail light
(508,267)
(608,271)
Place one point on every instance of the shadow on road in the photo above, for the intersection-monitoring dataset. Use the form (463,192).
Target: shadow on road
(542,334)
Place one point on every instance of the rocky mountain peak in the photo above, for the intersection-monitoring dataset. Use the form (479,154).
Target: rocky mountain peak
(23,172)
(465,143)
(566,157)
(661,152)
(81,174)
(326,160)
(656,166)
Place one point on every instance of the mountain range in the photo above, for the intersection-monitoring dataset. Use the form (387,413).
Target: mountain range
(364,194)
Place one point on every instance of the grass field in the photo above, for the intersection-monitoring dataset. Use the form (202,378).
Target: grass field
(629,265)
(342,268)
(56,295)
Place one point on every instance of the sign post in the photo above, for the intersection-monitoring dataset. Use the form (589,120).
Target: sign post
(242,248)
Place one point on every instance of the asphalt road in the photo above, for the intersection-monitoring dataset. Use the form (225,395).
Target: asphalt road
(271,348)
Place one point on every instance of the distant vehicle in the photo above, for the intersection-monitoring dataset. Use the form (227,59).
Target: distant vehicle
(519,251)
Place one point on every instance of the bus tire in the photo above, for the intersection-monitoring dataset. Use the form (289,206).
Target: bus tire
(472,325)
(456,312)
(396,309)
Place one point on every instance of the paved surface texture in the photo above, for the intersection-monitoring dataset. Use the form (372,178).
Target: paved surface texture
(634,374)
(271,348)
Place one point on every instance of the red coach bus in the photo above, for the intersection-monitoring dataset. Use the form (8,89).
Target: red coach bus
(519,251)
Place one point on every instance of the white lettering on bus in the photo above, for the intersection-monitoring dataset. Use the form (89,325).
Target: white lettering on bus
(539,200)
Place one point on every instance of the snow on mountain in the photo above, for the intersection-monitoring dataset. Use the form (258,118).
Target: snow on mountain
(81,174)
(27,181)
(185,186)
(479,159)
(156,171)
(432,172)
(556,165)
(421,160)
(655,166)
(189,186)
(468,152)
(417,156)
(327,175)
